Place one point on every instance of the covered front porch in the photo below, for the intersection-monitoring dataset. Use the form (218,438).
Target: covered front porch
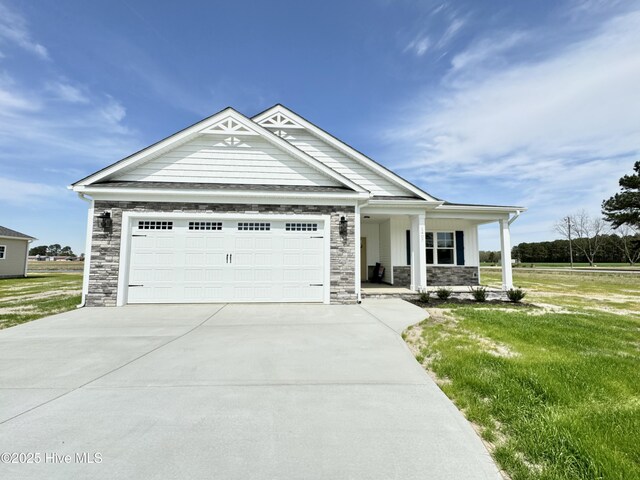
(404,250)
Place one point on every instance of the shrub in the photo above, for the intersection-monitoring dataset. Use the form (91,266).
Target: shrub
(424,297)
(443,293)
(515,294)
(479,293)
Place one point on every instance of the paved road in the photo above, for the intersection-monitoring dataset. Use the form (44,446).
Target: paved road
(229,392)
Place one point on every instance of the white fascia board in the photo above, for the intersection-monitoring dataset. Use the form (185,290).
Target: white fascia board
(230,196)
(425,204)
(18,238)
(478,217)
(346,149)
(481,208)
(194,130)
(386,210)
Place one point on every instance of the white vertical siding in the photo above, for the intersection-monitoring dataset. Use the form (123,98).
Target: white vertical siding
(347,166)
(385,250)
(399,227)
(234,160)
(371,231)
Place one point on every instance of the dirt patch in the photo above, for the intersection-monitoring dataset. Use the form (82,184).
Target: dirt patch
(494,348)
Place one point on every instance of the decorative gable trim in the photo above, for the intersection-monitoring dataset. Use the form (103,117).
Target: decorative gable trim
(279,120)
(221,122)
(229,126)
(343,147)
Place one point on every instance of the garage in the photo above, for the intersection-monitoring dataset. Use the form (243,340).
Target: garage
(222,259)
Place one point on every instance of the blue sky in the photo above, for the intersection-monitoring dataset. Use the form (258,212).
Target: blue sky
(509,102)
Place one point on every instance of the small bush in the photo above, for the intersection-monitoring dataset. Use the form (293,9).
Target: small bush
(424,297)
(479,294)
(443,293)
(515,294)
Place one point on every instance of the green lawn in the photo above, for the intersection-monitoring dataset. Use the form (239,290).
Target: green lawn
(554,388)
(38,295)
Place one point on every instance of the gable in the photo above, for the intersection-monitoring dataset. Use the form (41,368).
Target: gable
(338,161)
(336,154)
(225,148)
(236,159)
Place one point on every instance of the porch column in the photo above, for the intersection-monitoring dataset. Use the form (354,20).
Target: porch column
(505,250)
(418,254)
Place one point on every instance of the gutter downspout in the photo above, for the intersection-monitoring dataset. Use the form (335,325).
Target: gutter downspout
(87,249)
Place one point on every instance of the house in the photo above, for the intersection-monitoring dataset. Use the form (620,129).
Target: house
(14,250)
(269,209)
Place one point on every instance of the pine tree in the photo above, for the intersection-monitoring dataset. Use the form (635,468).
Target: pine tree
(624,207)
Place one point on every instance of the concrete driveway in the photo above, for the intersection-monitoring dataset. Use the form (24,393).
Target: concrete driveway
(228,392)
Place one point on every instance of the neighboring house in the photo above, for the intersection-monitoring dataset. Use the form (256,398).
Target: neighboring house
(14,250)
(269,209)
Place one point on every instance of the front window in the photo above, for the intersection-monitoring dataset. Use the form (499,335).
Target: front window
(3,250)
(440,248)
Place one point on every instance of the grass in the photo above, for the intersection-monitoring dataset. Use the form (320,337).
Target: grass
(553,388)
(39,295)
(62,266)
(600,265)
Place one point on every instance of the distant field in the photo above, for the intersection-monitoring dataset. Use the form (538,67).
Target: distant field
(35,266)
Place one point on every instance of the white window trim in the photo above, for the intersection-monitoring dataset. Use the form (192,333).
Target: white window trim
(4,252)
(435,249)
(129,217)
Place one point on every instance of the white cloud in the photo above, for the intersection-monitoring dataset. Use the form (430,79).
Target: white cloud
(554,134)
(452,30)
(21,193)
(66,92)
(419,45)
(487,49)
(13,29)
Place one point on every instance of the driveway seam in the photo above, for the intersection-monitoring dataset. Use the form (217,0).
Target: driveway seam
(115,369)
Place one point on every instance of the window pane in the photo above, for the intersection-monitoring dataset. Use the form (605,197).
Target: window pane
(429,256)
(445,239)
(429,239)
(445,256)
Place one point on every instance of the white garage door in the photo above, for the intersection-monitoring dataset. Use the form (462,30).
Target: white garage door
(216,260)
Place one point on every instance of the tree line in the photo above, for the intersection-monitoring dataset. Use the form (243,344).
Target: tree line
(612,238)
(54,250)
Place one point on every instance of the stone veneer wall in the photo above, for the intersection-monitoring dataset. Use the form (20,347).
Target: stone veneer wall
(105,247)
(452,276)
(402,276)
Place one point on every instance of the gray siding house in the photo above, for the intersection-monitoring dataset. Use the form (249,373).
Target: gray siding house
(14,250)
(270,208)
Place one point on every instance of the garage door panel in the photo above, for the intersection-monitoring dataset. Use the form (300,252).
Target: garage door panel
(205,261)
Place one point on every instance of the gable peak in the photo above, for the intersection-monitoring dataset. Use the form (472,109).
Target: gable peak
(229,126)
(279,120)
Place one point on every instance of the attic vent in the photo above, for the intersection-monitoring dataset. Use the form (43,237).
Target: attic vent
(278,120)
(229,126)
(154,225)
